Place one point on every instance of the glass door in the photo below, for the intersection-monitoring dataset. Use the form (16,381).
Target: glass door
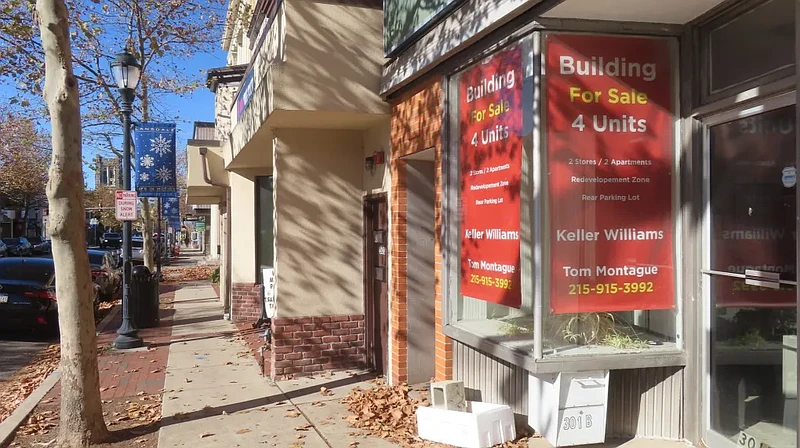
(750,277)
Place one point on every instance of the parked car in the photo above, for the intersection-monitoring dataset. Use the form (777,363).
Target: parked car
(3,249)
(40,246)
(28,294)
(106,273)
(18,247)
(106,267)
(137,250)
(111,239)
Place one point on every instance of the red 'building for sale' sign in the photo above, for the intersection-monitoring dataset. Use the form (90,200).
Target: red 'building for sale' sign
(610,131)
(491,128)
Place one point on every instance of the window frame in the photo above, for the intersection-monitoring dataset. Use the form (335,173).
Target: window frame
(702,30)
(257,199)
(537,175)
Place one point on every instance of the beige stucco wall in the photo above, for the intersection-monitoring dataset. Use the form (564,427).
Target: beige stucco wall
(270,55)
(198,192)
(194,166)
(317,58)
(318,188)
(377,138)
(243,250)
(223,101)
(333,60)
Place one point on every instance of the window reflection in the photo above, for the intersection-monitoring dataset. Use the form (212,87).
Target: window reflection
(754,327)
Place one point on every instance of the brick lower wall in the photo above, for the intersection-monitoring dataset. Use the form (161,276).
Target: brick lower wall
(245,302)
(304,345)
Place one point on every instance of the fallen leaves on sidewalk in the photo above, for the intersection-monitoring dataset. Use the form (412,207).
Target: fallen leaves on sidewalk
(27,379)
(39,423)
(188,274)
(324,391)
(385,411)
(389,412)
(146,409)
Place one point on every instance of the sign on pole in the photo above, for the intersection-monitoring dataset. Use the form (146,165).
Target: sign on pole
(270,304)
(155,160)
(126,205)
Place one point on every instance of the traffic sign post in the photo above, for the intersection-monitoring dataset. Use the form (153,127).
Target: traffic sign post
(125,204)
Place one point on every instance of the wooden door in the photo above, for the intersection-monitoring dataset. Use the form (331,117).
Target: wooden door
(376,306)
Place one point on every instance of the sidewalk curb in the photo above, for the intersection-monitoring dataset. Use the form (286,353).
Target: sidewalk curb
(10,424)
(101,327)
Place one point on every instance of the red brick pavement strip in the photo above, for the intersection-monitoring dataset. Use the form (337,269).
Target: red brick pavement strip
(128,373)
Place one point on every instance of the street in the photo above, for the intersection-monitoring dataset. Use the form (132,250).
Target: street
(18,350)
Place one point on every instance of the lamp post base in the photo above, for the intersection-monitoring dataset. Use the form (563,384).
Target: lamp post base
(124,342)
(127,336)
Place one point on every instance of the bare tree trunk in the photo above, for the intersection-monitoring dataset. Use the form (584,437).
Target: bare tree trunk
(81,410)
(25,221)
(148,246)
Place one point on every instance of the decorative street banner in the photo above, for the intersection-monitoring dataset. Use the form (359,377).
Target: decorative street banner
(491,115)
(155,159)
(610,131)
(753,178)
(170,211)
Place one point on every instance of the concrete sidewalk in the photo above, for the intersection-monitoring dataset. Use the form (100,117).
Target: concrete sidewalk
(215,395)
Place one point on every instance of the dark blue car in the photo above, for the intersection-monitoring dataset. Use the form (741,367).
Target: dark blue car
(28,294)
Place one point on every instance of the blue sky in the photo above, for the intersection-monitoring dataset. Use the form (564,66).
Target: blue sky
(197,106)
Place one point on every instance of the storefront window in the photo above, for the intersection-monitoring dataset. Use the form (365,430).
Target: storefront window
(610,152)
(752,279)
(494,127)
(265,229)
(583,226)
(763,37)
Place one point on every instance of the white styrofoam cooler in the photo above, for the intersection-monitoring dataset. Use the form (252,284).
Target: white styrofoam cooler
(569,408)
(483,426)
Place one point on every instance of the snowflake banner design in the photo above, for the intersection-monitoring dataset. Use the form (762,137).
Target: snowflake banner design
(170,212)
(160,145)
(147,162)
(155,159)
(163,174)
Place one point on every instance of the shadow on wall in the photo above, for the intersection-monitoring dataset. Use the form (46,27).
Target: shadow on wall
(319,222)
(334,57)
(420,250)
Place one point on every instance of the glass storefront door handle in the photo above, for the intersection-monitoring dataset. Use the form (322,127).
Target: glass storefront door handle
(763,279)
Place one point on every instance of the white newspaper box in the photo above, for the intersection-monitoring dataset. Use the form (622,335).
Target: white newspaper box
(569,408)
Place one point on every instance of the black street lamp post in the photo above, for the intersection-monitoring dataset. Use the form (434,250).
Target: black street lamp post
(126,73)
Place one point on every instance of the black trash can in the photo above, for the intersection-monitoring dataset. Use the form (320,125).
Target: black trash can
(144,295)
